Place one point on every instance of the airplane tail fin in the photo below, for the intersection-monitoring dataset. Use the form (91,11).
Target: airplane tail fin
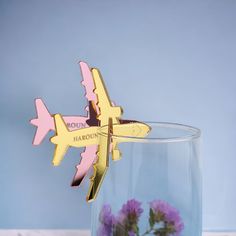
(60,140)
(43,122)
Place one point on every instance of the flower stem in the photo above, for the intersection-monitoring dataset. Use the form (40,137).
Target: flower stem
(147,232)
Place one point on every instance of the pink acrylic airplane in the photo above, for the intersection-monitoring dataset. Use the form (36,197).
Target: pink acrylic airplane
(45,123)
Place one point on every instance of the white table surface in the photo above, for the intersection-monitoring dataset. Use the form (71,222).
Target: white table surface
(74,233)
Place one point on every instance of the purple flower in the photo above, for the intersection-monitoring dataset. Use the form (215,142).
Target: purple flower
(131,233)
(128,217)
(163,220)
(132,209)
(168,214)
(107,221)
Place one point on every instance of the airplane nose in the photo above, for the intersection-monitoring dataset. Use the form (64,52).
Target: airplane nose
(140,130)
(145,130)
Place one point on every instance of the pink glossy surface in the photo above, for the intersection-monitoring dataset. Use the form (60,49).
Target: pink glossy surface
(88,157)
(45,122)
(87,82)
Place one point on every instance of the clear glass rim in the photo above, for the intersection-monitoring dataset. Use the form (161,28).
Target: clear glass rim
(194,133)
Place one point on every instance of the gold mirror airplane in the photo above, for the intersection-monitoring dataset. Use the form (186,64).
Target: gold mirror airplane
(100,135)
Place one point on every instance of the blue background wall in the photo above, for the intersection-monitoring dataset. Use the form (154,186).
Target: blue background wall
(176,55)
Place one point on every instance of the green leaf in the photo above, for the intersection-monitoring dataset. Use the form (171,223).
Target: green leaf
(151,218)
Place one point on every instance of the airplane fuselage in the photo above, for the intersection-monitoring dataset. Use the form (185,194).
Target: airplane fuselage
(83,137)
(90,136)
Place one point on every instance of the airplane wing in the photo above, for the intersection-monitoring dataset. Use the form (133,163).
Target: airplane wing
(101,165)
(92,120)
(87,82)
(104,103)
(88,158)
(100,89)
(59,153)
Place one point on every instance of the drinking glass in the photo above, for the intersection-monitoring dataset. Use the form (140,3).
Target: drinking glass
(155,188)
